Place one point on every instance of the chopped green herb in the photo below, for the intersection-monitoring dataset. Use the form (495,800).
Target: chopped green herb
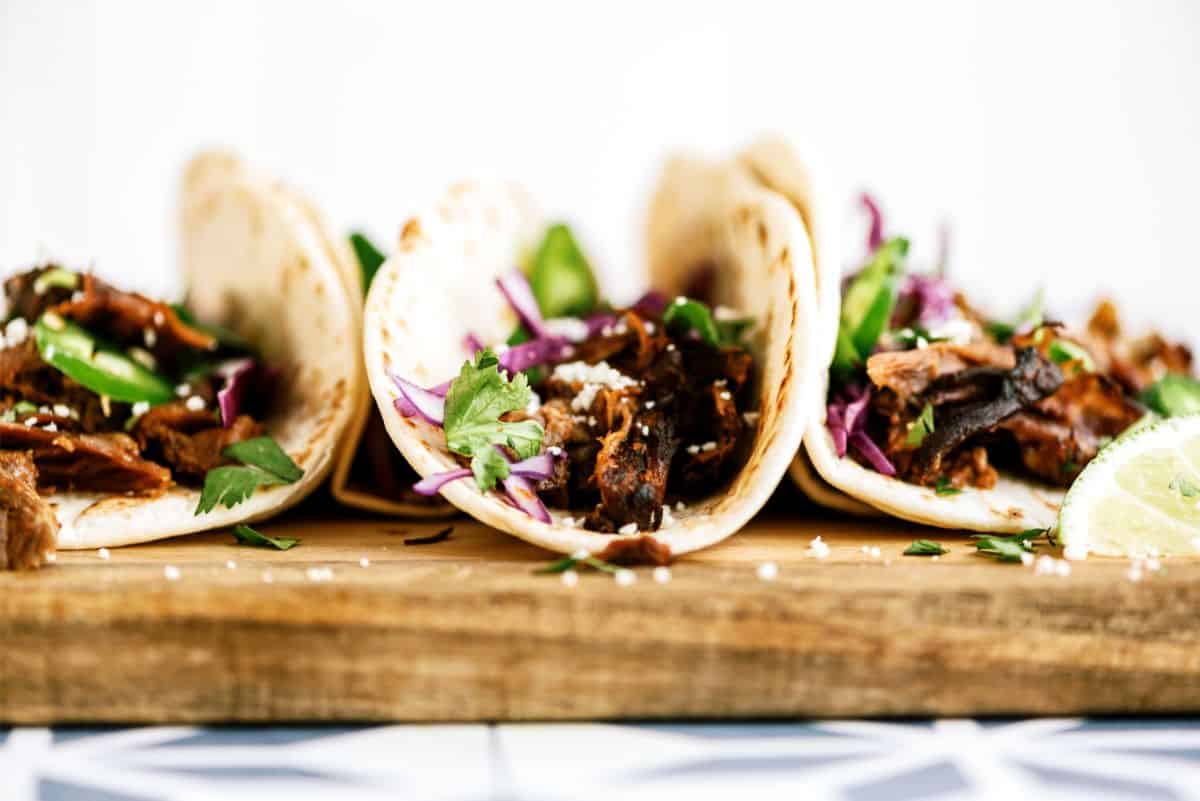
(868,304)
(570,562)
(1184,487)
(248,536)
(920,428)
(265,454)
(1029,318)
(264,464)
(369,257)
(925,548)
(1062,351)
(474,404)
(683,314)
(944,487)
(1173,395)
(560,276)
(1009,549)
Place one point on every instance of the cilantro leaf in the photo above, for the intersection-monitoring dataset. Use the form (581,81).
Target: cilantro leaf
(474,404)
(944,487)
(248,536)
(1173,395)
(263,464)
(920,428)
(683,314)
(370,259)
(925,548)
(571,562)
(265,454)
(1062,351)
(232,484)
(1009,549)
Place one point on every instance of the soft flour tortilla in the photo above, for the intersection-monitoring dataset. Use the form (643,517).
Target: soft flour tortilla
(254,260)
(1013,505)
(440,285)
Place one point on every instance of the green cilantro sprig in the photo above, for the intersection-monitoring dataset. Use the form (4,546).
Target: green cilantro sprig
(369,257)
(571,562)
(474,404)
(944,487)
(263,464)
(920,428)
(1173,395)
(925,548)
(248,536)
(1010,549)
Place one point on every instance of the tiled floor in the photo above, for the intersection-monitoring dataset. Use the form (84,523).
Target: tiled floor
(1027,760)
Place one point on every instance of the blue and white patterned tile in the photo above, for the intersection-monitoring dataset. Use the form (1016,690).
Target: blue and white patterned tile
(450,763)
(853,761)
(946,760)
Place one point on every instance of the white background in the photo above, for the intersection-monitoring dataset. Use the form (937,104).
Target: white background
(1060,138)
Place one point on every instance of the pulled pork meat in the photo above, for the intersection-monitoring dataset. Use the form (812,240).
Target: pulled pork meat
(28,527)
(644,418)
(1134,363)
(186,440)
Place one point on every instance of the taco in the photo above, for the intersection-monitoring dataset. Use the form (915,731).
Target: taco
(933,412)
(634,433)
(125,419)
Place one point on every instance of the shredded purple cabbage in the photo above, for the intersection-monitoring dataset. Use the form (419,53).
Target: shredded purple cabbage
(432,484)
(875,237)
(598,322)
(931,296)
(429,404)
(535,352)
(651,304)
(472,343)
(846,419)
(237,374)
(517,489)
(519,294)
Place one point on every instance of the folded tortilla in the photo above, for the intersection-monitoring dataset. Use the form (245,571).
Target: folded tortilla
(255,259)
(439,286)
(1014,504)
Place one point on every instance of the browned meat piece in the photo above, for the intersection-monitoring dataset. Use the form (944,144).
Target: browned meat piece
(1059,435)
(190,442)
(631,471)
(24,376)
(1032,379)
(703,365)
(97,462)
(1134,363)
(24,302)
(28,527)
(968,467)
(560,432)
(630,347)
(910,372)
(642,551)
(126,316)
(713,427)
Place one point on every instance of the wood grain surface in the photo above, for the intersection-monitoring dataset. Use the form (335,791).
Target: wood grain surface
(464,630)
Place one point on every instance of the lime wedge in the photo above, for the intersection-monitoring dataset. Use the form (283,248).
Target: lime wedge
(1141,496)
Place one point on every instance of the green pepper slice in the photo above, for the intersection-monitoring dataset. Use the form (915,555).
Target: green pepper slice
(560,276)
(97,366)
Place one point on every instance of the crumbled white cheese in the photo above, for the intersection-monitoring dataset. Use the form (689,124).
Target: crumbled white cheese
(195,404)
(53,321)
(1044,565)
(625,577)
(957,329)
(267,578)
(171,573)
(767,571)
(662,574)
(150,337)
(725,314)
(628,528)
(51,426)
(708,446)
(581,554)
(159,319)
(693,449)
(31,421)
(319,573)
(720,382)
(183,390)
(230,564)
(645,430)
(570,578)
(62,410)
(594,377)
(571,329)
(649,326)
(621,328)
(104,554)
(43,409)
(554,450)
(670,346)
(725,395)
(1076,552)
(591,421)
(1026,559)
(818,548)
(874,552)
(16,332)
(140,408)
(567,522)
(751,418)
(667,518)
(680,506)
(649,405)
(364,562)
(680,300)
(535,403)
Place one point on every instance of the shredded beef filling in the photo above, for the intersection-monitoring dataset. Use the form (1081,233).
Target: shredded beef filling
(672,431)
(28,527)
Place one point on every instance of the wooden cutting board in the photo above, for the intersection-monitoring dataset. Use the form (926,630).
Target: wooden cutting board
(464,630)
